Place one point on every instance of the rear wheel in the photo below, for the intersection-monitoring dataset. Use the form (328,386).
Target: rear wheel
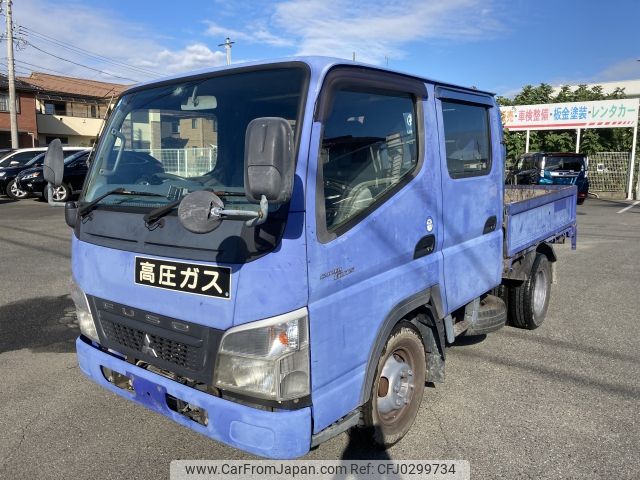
(14,192)
(529,302)
(398,387)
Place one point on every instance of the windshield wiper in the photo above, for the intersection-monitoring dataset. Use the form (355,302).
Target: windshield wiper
(157,213)
(116,191)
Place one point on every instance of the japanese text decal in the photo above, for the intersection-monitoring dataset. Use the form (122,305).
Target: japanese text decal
(185,277)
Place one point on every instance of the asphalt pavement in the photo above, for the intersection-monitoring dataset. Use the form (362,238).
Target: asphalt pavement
(562,401)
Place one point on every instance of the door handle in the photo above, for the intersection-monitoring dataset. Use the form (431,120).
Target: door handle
(490,225)
(425,246)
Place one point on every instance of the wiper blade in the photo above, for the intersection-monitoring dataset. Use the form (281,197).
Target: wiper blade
(157,213)
(116,191)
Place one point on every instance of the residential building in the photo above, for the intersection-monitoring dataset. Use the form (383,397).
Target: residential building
(71,109)
(26,113)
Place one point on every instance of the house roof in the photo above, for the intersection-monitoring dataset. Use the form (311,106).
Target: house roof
(20,85)
(48,83)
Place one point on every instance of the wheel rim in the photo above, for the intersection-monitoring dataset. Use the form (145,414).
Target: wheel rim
(59,193)
(395,386)
(16,192)
(540,292)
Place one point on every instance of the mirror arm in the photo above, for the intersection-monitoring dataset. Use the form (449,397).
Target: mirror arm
(50,197)
(255,218)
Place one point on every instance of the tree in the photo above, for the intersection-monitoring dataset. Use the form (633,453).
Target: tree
(592,141)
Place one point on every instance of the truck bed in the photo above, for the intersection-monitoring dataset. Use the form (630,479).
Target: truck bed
(538,213)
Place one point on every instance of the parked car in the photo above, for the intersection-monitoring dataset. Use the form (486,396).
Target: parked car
(5,151)
(557,168)
(32,179)
(12,165)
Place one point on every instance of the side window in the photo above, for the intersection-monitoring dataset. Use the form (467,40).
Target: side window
(467,139)
(368,146)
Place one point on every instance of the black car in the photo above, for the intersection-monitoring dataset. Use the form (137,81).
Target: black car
(132,164)
(9,172)
(32,180)
(553,168)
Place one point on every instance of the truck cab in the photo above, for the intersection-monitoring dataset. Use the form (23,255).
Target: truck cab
(272,253)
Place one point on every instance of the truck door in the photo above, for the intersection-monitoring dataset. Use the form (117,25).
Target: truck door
(472,193)
(370,243)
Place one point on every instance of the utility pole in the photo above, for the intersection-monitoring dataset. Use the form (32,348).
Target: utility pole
(227,46)
(12,79)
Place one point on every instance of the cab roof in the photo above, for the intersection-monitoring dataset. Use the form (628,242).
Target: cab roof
(317,64)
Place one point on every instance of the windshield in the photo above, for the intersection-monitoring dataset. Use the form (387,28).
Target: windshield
(565,164)
(35,161)
(189,135)
(76,156)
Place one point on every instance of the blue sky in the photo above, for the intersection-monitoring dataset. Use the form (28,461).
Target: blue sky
(496,45)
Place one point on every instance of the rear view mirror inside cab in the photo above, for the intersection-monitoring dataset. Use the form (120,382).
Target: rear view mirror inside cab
(199,102)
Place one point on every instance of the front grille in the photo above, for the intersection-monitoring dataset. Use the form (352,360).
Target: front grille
(165,349)
(183,348)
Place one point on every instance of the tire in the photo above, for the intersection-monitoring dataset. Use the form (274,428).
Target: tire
(60,194)
(14,192)
(400,378)
(528,302)
(492,316)
(580,201)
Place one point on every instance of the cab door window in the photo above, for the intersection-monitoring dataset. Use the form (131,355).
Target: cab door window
(368,146)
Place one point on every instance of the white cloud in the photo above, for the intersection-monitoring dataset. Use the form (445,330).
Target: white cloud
(192,57)
(374,29)
(623,70)
(379,28)
(259,33)
(103,32)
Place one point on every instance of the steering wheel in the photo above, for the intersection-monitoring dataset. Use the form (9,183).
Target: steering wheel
(334,192)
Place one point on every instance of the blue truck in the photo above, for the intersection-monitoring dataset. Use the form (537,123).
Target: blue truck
(276,252)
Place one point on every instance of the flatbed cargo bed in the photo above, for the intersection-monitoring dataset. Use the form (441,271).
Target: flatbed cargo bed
(538,213)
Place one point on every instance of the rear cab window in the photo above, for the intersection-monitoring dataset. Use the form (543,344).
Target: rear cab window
(467,138)
(564,164)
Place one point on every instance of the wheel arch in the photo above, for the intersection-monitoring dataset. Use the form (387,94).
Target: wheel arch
(422,311)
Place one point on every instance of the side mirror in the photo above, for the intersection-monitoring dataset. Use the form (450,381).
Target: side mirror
(53,169)
(268,160)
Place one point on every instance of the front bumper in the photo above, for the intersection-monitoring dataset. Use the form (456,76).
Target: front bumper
(33,186)
(282,434)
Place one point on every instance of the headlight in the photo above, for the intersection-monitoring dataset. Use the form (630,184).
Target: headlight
(31,175)
(85,319)
(267,359)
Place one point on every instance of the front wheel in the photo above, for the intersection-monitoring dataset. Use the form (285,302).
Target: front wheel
(61,193)
(398,387)
(529,302)
(14,192)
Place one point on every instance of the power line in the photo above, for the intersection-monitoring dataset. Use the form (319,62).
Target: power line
(80,64)
(46,38)
(68,79)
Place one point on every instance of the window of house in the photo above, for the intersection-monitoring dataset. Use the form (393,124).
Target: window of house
(55,108)
(4,103)
(194,123)
(93,111)
(467,139)
(368,146)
